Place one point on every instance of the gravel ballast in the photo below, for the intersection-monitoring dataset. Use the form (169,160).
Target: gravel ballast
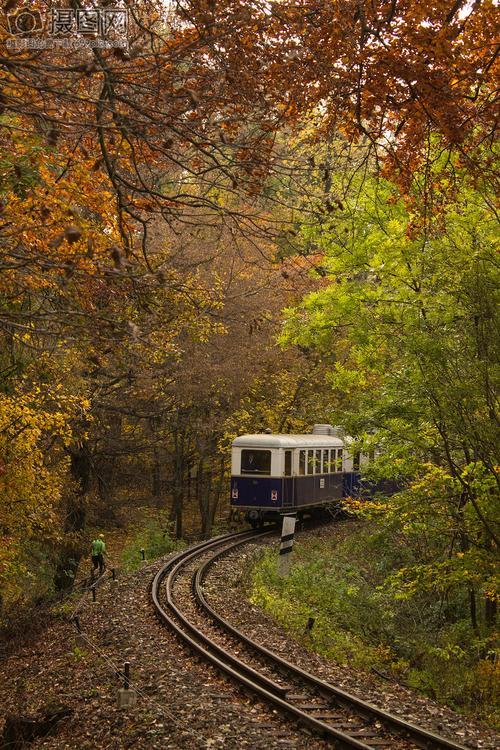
(232,570)
(182,703)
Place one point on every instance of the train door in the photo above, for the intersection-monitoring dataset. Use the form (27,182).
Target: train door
(288,480)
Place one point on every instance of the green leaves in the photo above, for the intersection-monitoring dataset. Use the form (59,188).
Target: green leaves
(409,326)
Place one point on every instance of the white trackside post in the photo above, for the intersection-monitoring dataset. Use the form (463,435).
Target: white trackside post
(286,544)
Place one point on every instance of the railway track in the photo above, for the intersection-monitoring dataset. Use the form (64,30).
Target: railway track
(344,719)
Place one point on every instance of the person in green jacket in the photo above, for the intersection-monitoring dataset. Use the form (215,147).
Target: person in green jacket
(98,552)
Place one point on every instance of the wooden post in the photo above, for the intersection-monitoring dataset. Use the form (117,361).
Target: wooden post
(286,544)
(309,624)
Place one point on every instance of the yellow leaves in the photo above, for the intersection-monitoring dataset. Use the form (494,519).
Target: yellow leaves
(55,204)
(25,421)
(34,428)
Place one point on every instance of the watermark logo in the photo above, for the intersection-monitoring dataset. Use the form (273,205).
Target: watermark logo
(102,21)
(25,21)
(96,27)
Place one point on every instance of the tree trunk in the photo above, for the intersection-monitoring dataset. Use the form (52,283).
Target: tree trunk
(156,476)
(106,473)
(19,730)
(473,609)
(76,511)
(217,495)
(176,513)
(202,495)
(490,612)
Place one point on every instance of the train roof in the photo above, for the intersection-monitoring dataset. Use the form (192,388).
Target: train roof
(265,440)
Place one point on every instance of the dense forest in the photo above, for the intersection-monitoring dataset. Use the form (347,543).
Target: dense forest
(255,215)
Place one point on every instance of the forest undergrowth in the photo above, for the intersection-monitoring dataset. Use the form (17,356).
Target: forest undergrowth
(425,642)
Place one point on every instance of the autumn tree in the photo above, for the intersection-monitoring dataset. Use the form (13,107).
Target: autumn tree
(408,323)
(160,203)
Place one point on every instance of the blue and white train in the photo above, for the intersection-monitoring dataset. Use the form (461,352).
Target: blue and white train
(274,474)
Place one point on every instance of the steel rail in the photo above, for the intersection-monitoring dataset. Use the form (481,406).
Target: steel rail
(204,643)
(248,677)
(422,737)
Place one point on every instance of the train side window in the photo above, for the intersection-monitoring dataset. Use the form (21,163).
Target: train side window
(302,463)
(288,463)
(310,462)
(317,463)
(326,463)
(255,462)
(338,464)
(355,461)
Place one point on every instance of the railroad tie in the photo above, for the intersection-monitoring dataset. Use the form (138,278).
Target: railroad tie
(328,716)
(346,728)
(311,707)
(332,712)
(286,689)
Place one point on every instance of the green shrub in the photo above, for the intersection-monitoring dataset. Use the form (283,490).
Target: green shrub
(423,640)
(154,535)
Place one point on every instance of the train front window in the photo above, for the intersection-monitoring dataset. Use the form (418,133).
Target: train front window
(255,462)
(339,459)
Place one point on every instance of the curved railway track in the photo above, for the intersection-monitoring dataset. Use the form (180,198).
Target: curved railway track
(344,719)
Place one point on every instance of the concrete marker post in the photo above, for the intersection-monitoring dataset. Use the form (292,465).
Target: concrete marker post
(127,698)
(286,544)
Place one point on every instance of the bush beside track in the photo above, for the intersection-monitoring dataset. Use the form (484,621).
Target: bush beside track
(343,582)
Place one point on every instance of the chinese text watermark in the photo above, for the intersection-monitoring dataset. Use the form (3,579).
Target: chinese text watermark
(68,28)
